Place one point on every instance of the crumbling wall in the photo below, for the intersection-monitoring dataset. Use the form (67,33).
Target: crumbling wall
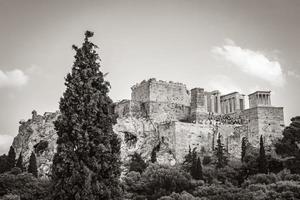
(266,121)
(141,91)
(161,91)
(179,136)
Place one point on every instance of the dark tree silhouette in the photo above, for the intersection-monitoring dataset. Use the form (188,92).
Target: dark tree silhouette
(288,147)
(32,167)
(196,169)
(19,163)
(220,154)
(87,162)
(3,163)
(244,147)
(137,164)
(11,158)
(262,160)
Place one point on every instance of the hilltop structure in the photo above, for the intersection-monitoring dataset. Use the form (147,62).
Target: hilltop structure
(163,119)
(193,117)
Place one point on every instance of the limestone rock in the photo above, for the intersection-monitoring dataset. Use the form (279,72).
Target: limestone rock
(33,132)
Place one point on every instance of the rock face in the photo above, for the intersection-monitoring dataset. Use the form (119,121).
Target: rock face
(137,135)
(37,135)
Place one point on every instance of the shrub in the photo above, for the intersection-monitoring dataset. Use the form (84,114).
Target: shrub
(24,185)
(156,181)
(206,160)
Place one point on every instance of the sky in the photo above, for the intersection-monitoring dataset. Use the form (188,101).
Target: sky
(232,45)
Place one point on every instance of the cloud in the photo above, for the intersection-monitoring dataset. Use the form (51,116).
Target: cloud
(14,78)
(5,142)
(224,84)
(253,63)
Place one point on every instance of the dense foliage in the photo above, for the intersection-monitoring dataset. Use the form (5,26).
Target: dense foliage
(24,185)
(137,163)
(87,162)
(289,147)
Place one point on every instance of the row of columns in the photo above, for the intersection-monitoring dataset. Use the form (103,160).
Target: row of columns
(263,99)
(231,105)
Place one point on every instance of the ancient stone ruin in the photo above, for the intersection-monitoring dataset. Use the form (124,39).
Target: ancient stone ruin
(163,119)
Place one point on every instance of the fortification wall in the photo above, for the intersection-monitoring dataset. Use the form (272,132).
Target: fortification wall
(157,111)
(160,91)
(141,91)
(266,121)
(179,136)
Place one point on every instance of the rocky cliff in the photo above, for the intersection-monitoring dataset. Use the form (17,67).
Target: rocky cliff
(137,134)
(37,135)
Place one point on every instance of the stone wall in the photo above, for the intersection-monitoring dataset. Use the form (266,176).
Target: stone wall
(160,91)
(266,121)
(141,92)
(179,136)
(157,111)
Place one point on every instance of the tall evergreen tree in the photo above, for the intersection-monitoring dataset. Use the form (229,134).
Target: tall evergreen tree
(19,163)
(244,147)
(3,163)
(87,162)
(262,160)
(220,154)
(32,167)
(11,158)
(189,159)
(196,169)
(288,146)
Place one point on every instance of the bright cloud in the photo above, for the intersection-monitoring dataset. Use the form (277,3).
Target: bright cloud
(253,63)
(224,84)
(14,78)
(5,142)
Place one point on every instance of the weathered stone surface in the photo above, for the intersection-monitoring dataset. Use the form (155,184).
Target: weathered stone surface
(31,133)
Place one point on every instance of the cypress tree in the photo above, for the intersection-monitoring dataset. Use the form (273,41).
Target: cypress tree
(32,167)
(3,163)
(11,158)
(244,146)
(262,160)
(87,162)
(196,169)
(19,163)
(220,154)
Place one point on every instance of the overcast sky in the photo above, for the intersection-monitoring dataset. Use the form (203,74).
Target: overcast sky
(234,46)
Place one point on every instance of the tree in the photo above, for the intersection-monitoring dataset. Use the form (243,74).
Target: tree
(19,163)
(288,146)
(11,158)
(244,147)
(137,164)
(87,162)
(32,167)
(3,163)
(220,154)
(262,160)
(196,169)
(157,181)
